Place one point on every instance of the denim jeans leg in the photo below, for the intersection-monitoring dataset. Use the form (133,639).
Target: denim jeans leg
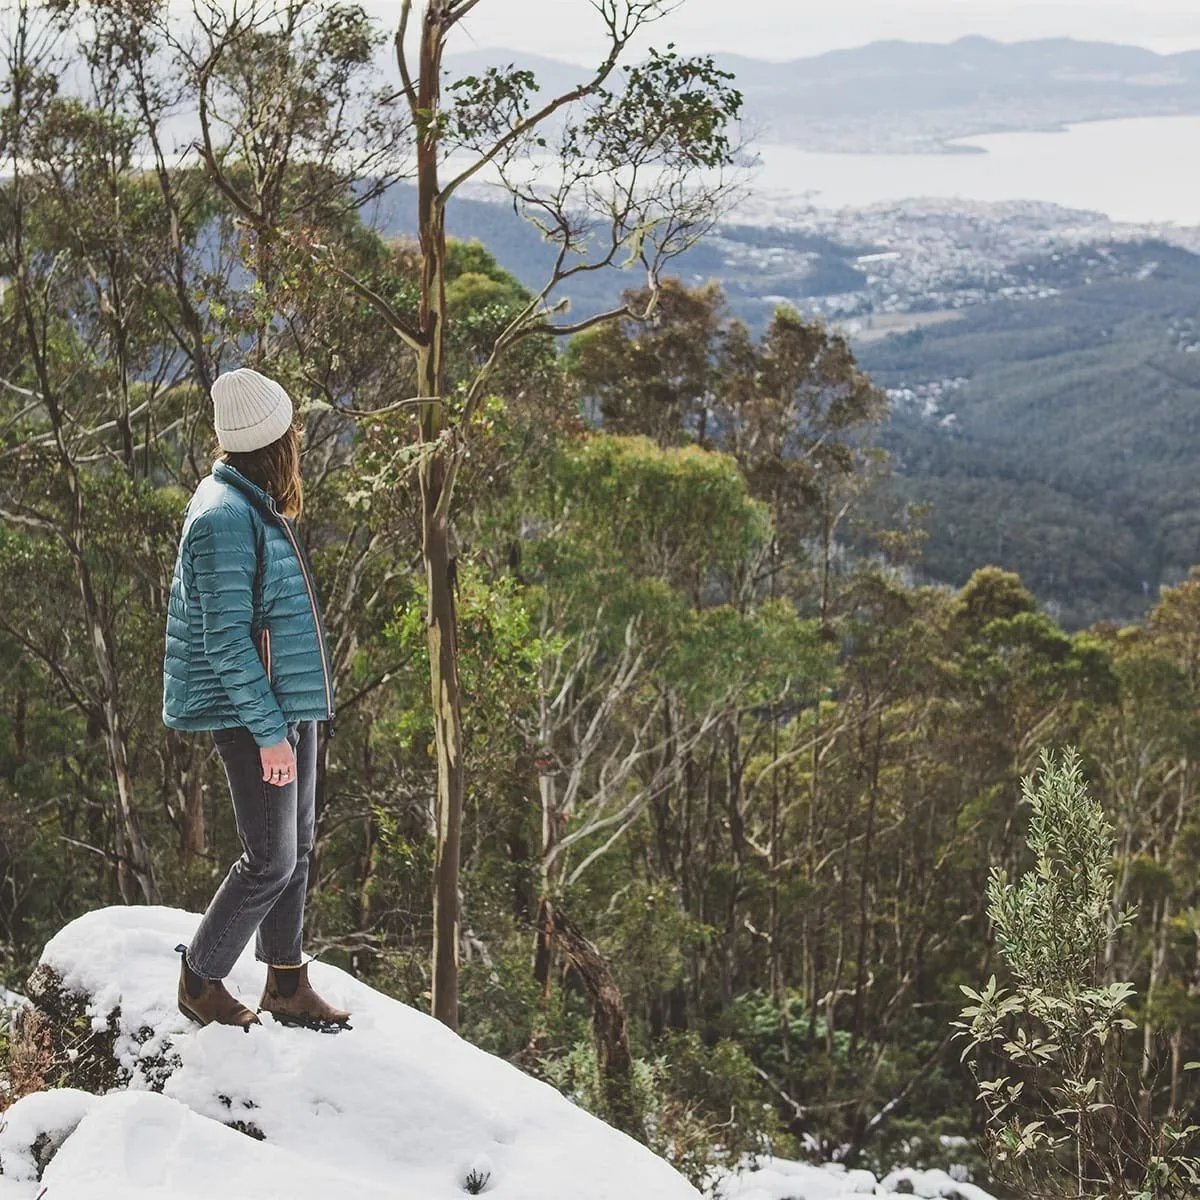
(267,827)
(281,933)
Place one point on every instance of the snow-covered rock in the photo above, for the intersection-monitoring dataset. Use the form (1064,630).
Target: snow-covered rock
(778,1179)
(140,1144)
(398,1107)
(934,1185)
(35,1128)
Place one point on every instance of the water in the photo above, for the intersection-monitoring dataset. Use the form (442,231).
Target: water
(1145,170)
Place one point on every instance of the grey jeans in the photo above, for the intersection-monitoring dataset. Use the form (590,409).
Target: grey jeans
(263,894)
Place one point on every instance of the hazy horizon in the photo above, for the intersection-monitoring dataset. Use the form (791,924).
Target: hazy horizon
(781,29)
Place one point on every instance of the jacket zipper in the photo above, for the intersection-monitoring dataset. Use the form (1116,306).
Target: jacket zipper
(266,652)
(312,600)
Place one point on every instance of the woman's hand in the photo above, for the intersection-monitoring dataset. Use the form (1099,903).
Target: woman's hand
(278,763)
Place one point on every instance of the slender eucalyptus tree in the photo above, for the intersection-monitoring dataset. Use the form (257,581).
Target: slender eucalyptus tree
(609,171)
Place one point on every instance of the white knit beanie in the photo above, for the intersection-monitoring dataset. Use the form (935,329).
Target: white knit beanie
(249,410)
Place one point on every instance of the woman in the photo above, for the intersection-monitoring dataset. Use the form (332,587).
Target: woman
(246,657)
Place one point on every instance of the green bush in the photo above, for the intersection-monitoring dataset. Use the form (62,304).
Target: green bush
(706,1107)
(1063,1115)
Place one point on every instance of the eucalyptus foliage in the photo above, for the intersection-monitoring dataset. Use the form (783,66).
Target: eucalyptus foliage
(1064,1116)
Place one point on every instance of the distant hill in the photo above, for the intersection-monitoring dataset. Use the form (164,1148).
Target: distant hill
(916,96)
(1069,448)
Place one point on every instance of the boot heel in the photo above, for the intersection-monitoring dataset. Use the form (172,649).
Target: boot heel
(191,1016)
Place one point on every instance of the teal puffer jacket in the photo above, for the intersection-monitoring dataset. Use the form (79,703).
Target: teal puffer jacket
(246,644)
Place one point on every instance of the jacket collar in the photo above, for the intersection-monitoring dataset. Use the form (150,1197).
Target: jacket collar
(231,475)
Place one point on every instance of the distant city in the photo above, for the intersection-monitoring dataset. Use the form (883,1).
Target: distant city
(926,259)
(925,263)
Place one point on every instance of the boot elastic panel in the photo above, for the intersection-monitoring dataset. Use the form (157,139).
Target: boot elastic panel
(287,980)
(192,982)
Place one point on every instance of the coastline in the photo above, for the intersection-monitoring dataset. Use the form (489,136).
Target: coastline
(908,140)
(1131,169)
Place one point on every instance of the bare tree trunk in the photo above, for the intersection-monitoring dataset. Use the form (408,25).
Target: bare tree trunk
(185,777)
(437,481)
(737,845)
(864,890)
(1158,962)
(543,946)
(778,978)
(135,871)
(551,826)
(551,823)
(613,1057)
(442,631)
(362,957)
(809,935)
(1176,1062)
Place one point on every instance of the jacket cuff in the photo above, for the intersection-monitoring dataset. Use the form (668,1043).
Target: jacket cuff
(272,737)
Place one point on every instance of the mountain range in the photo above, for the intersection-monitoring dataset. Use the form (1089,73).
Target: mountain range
(913,96)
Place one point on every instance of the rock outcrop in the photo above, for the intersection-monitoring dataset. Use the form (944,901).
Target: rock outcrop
(147,1105)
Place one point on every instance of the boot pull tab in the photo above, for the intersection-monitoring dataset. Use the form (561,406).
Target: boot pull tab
(193,983)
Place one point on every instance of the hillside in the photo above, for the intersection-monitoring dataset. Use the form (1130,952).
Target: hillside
(805,264)
(1051,423)
(913,96)
(1058,437)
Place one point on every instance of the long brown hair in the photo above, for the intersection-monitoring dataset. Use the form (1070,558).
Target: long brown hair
(275,468)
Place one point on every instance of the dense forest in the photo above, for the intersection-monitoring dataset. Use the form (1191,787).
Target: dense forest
(713,732)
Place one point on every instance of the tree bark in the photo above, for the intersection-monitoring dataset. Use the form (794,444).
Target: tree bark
(543,947)
(614,1061)
(185,777)
(135,870)
(737,844)
(864,889)
(442,632)
(543,950)
(436,482)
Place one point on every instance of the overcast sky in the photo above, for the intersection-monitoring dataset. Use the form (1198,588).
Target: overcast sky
(780,29)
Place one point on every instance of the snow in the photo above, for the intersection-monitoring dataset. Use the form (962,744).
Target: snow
(144,1145)
(778,1179)
(398,1106)
(56,1114)
(934,1184)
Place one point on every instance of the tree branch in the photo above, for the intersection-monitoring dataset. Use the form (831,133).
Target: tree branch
(521,128)
(409,334)
(461,9)
(582,326)
(409,90)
